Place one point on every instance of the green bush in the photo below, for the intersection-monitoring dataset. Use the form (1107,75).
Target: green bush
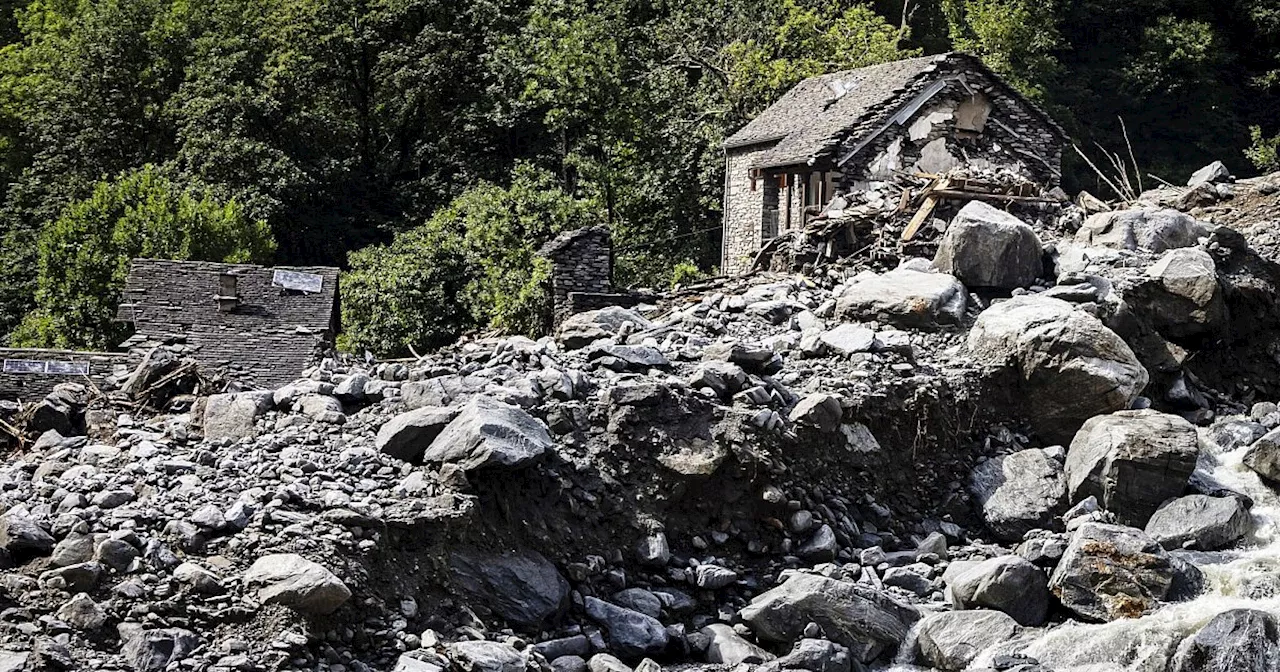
(474,264)
(84,255)
(1263,152)
(686,272)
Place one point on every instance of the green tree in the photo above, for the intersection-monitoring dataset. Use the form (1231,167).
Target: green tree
(1016,38)
(810,38)
(472,265)
(84,255)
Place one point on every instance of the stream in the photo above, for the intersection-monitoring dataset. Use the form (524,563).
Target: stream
(1245,577)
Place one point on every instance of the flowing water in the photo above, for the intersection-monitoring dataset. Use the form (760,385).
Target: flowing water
(1248,577)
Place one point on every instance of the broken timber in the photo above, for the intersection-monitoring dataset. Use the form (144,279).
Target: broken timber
(944,187)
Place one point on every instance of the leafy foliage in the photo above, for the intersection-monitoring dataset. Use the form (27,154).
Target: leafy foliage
(1263,152)
(472,265)
(84,255)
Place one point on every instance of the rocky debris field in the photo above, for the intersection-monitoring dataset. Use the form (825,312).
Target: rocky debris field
(946,465)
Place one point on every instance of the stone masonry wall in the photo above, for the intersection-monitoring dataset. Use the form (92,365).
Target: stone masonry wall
(581,270)
(104,369)
(743,210)
(267,340)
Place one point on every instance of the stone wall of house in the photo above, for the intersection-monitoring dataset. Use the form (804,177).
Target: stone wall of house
(270,336)
(743,210)
(28,374)
(581,271)
(1015,136)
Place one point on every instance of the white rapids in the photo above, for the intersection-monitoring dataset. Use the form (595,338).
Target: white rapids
(1247,577)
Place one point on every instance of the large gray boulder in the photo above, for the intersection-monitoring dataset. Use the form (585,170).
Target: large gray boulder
(20,535)
(726,647)
(906,298)
(950,641)
(1239,640)
(1109,572)
(988,247)
(1211,174)
(298,583)
(1149,230)
(1024,491)
(490,434)
(1263,456)
(407,435)
(858,616)
(232,415)
(630,634)
(1201,522)
(583,329)
(522,587)
(1010,584)
(1132,461)
(153,650)
(1060,365)
(1181,295)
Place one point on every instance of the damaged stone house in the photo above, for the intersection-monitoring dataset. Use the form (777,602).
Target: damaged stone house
(254,326)
(848,131)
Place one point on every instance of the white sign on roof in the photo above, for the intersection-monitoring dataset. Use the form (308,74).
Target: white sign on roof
(67,368)
(303,282)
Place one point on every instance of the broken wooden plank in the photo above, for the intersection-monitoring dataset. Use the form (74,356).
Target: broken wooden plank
(956,194)
(926,209)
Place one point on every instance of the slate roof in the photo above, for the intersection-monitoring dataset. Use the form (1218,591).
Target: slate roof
(806,120)
(567,238)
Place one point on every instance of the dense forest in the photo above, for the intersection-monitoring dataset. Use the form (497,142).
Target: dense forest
(430,146)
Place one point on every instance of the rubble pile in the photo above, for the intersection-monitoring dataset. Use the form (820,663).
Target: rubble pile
(907,216)
(943,464)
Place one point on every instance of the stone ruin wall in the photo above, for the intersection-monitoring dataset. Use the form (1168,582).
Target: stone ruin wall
(582,273)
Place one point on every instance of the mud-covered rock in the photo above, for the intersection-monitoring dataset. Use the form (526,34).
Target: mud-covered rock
(1132,461)
(1019,492)
(1109,572)
(1061,365)
(988,247)
(858,616)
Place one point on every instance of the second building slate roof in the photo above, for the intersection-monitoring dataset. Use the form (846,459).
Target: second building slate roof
(810,117)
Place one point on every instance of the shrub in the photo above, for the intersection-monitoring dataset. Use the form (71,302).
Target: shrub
(473,265)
